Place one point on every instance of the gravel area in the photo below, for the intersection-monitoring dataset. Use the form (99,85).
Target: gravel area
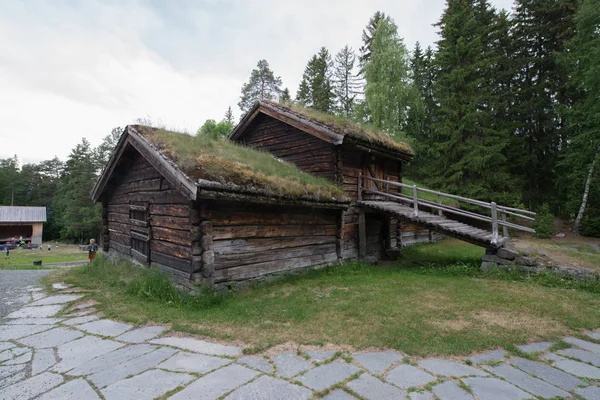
(13,288)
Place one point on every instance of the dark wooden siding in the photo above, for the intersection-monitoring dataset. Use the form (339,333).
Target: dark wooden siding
(309,153)
(168,228)
(251,241)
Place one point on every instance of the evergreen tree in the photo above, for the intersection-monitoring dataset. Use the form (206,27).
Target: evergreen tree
(316,88)
(466,155)
(388,90)
(77,216)
(347,84)
(285,97)
(540,31)
(263,84)
(581,155)
(367,37)
(229,115)
(104,151)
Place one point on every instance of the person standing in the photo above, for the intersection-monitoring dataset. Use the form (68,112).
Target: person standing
(6,252)
(92,249)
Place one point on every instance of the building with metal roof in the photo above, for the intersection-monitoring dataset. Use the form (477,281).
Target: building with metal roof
(23,223)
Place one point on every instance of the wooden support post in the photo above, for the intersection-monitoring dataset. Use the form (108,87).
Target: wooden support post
(362,234)
(494,223)
(359,187)
(415,201)
(504,227)
(439,201)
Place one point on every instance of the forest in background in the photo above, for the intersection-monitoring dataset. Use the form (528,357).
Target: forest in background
(504,108)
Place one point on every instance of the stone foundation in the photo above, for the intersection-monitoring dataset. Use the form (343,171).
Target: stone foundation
(508,259)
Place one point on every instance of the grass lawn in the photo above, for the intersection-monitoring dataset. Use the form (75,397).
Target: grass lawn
(432,301)
(23,259)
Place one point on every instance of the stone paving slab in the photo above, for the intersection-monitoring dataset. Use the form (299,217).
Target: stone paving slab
(60,286)
(199,346)
(583,355)
(146,386)
(495,389)
(256,363)
(33,321)
(12,332)
(79,351)
(535,347)
(406,376)
(105,327)
(81,313)
(450,390)
(11,380)
(189,362)
(319,356)
(551,375)
(594,335)
(42,360)
(83,305)
(9,370)
(327,375)
(288,365)
(34,386)
(371,388)
(12,353)
(76,389)
(110,358)
(216,384)
(36,312)
(378,362)
(6,345)
(576,368)
(80,320)
(269,388)
(134,366)
(52,338)
(22,359)
(584,344)
(421,396)
(142,334)
(589,393)
(527,382)
(57,299)
(495,355)
(449,368)
(339,394)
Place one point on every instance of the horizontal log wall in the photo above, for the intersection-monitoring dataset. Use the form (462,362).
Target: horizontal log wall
(250,242)
(168,227)
(307,152)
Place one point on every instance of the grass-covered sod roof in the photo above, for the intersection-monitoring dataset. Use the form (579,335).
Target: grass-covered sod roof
(228,163)
(347,127)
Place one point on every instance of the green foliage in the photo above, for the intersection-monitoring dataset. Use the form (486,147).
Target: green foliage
(590,226)
(316,88)
(229,115)
(347,84)
(215,130)
(388,91)
(263,84)
(544,222)
(367,37)
(285,97)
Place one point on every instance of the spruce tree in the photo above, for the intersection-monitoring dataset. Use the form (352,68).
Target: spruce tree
(285,97)
(388,90)
(367,37)
(316,88)
(229,115)
(540,31)
(466,154)
(347,84)
(263,84)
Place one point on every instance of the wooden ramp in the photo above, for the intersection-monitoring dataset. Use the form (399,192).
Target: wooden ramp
(410,204)
(435,222)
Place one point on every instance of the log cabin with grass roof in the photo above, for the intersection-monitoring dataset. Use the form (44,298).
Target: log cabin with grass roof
(276,197)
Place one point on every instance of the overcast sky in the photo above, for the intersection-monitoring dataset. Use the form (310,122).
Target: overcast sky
(77,68)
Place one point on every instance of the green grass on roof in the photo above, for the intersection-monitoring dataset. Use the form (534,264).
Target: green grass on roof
(353,128)
(223,161)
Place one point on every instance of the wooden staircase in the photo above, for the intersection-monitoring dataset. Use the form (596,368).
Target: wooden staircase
(390,198)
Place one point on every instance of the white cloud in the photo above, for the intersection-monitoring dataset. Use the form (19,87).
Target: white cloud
(77,69)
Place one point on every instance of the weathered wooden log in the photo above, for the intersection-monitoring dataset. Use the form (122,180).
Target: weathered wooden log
(172,235)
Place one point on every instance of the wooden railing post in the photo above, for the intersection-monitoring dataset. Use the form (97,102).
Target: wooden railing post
(504,227)
(494,223)
(439,201)
(415,201)
(359,187)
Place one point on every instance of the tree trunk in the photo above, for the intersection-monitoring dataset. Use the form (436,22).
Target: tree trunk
(586,192)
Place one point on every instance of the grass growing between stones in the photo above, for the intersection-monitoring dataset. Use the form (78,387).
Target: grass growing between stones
(432,301)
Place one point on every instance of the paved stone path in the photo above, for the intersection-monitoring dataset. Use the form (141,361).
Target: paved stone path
(57,347)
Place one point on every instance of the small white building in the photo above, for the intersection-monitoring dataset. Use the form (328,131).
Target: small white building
(25,222)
